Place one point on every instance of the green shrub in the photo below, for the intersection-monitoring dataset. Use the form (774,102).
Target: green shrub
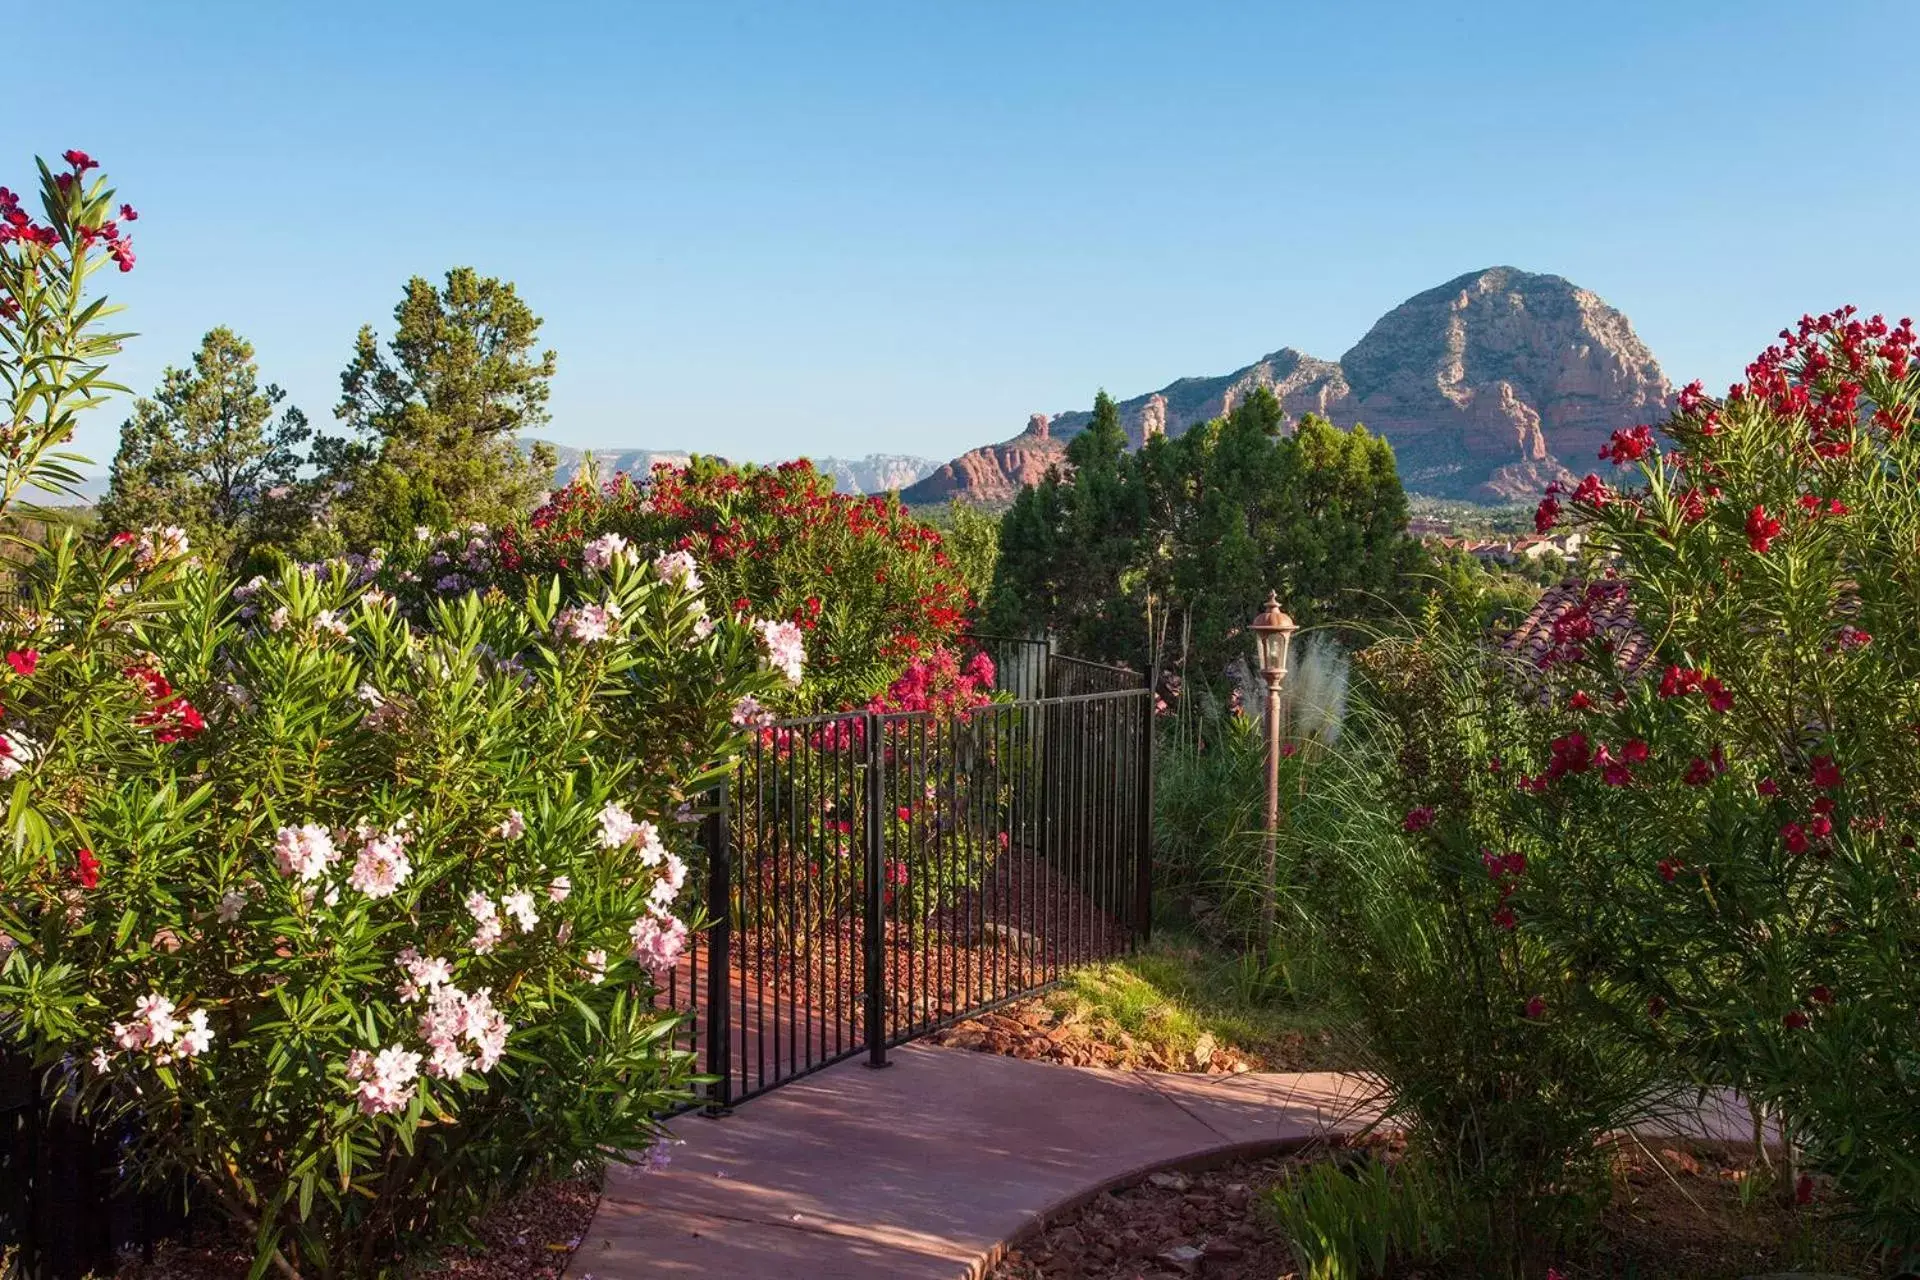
(1730,836)
(1348,1220)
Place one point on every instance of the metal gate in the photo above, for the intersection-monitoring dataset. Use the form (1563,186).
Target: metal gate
(872,877)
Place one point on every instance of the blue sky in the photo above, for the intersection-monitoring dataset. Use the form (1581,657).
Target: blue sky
(902,226)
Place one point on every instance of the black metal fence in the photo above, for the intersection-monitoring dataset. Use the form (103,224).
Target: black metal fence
(872,877)
(65,1207)
(869,878)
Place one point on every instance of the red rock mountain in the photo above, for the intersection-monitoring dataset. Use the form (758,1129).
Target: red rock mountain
(1488,386)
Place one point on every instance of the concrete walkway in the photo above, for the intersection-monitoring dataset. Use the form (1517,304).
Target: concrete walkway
(924,1170)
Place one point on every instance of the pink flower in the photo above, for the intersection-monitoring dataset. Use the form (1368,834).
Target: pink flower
(786,648)
(23,661)
(304,852)
(749,714)
(382,866)
(678,566)
(1537,1007)
(513,826)
(657,944)
(558,888)
(385,1080)
(1417,819)
(604,550)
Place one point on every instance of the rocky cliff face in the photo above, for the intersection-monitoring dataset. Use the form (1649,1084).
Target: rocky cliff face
(993,474)
(1488,387)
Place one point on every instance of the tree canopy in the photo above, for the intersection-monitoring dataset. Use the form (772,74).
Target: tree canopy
(1163,554)
(432,418)
(213,452)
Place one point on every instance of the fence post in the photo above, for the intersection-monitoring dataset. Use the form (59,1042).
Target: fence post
(1143,871)
(718,838)
(873,932)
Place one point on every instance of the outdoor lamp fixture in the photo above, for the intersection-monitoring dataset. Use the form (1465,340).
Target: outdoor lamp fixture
(1273,630)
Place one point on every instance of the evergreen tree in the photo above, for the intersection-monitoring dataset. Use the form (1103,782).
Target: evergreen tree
(209,453)
(433,419)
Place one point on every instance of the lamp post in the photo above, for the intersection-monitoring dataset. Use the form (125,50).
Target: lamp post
(1273,630)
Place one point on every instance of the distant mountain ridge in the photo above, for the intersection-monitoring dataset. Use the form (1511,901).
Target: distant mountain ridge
(875,473)
(1488,386)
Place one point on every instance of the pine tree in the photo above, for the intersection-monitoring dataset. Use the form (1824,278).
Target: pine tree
(207,453)
(433,419)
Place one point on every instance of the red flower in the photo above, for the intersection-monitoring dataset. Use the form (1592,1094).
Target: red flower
(1635,752)
(1628,446)
(1717,696)
(1504,918)
(151,682)
(86,871)
(1669,868)
(23,661)
(1762,529)
(1656,1008)
(80,161)
(1821,994)
(1826,774)
(1288,750)
(1546,515)
(1795,1021)
(1699,774)
(1820,826)
(129,214)
(1796,837)
(1579,701)
(903,813)
(172,720)
(1767,787)
(1537,1007)
(1803,1189)
(1417,819)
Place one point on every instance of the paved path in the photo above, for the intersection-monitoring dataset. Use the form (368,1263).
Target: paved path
(923,1170)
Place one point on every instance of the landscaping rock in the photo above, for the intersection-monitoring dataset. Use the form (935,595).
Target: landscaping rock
(1183,1258)
(1170,1181)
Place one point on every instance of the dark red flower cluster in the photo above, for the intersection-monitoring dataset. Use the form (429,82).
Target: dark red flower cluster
(86,869)
(171,718)
(1417,819)
(1762,529)
(1678,682)
(1505,870)
(23,661)
(1628,446)
(1815,374)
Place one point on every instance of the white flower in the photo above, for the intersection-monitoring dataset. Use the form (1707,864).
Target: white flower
(277,620)
(305,851)
(596,962)
(678,566)
(616,827)
(375,598)
(102,1061)
(513,826)
(646,840)
(560,887)
(604,550)
(519,905)
(421,533)
(786,648)
(328,620)
(199,1036)
(749,714)
(487,936)
(447,1062)
(17,751)
(673,874)
(702,628)
(232,903)
(480,906)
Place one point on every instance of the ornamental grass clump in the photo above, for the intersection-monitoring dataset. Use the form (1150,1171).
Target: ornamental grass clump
(1485,1046)
(1730,829)
(355,918)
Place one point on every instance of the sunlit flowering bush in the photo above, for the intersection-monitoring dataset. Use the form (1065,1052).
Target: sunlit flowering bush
(1730,833)
(361,914)
(856,583)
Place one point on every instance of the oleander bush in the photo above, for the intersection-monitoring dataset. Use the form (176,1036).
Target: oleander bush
(870,586)
(358,914)
(1727,832)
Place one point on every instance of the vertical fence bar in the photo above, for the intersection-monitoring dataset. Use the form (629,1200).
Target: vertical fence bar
(873,933)
(1143,826)
(719,955)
